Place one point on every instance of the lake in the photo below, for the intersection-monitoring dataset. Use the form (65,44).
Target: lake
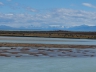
(39,40)
(47,64)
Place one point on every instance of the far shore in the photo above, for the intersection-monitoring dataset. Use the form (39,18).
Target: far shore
(45,45)
(51,34)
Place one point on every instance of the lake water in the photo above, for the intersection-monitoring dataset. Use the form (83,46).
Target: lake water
(50,64)
(39,40)
(47,64)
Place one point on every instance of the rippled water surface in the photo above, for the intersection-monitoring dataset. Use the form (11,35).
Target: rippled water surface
(47,40)
(47,64)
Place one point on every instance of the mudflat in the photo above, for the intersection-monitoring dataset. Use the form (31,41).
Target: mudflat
(46,50)
(45,45)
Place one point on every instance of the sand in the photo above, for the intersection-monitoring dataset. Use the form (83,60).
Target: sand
(45,45)
(46,50)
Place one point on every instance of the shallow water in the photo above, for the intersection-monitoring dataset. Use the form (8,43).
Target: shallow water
(46,52)
(36,64)
(39,40)
(47,64)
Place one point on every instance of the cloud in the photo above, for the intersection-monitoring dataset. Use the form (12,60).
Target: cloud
(89,5)
(1,4)
(61,16)
(31,9)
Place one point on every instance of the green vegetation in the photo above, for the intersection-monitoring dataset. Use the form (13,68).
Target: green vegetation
(52,34)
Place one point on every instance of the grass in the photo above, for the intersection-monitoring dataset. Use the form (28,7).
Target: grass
(51,34)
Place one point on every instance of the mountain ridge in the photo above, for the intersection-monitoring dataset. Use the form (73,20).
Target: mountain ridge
(74,28)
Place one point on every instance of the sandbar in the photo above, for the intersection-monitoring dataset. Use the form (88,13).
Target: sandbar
(45,45)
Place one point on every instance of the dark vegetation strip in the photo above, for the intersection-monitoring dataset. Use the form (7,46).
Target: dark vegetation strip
(51,34)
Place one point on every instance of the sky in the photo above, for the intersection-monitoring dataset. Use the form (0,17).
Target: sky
(39,13)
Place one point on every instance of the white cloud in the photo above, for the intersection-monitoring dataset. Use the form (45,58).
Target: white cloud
(31,9)
(89,5)
(62,17)
(1,3)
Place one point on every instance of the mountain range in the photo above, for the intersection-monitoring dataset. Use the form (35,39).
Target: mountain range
(32,28)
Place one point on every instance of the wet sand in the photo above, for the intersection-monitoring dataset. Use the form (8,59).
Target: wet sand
(46,50)
(45,45)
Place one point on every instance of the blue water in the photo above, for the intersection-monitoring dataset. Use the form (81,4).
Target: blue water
(48,64)
(39,40)
(44,64)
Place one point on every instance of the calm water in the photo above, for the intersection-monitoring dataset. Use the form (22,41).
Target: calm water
(47,40)
(44,64)
(47,64)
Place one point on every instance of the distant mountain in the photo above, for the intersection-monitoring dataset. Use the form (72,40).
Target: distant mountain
(75,28)
(82,28)
(4,27)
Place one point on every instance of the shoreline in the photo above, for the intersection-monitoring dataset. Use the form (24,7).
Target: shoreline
(45,45)
(51,34)
(46,50)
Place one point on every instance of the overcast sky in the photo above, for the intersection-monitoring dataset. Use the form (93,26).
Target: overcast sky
(24,13)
